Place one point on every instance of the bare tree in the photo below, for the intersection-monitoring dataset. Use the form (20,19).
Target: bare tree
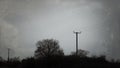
(81,53)
(1,59)
(48,47)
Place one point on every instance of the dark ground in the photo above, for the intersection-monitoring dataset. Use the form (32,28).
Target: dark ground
(61,62)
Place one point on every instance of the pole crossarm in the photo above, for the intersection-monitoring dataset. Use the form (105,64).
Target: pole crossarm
(77,32)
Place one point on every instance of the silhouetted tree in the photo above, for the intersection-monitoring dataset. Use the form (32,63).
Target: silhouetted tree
(48,47)
(81,53)
(102,57)
(15,59)
(1,59)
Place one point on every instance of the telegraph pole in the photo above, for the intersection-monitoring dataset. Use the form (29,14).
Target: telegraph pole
(76,41)
(8,54)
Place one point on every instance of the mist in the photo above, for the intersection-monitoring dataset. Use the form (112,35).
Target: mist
(24,22)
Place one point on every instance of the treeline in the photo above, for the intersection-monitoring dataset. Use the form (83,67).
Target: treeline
(49,55)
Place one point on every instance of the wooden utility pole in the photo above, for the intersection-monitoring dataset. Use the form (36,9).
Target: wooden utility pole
(76,41)
(8,54)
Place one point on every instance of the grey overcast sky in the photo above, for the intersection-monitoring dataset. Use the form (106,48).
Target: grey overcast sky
(24,22)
